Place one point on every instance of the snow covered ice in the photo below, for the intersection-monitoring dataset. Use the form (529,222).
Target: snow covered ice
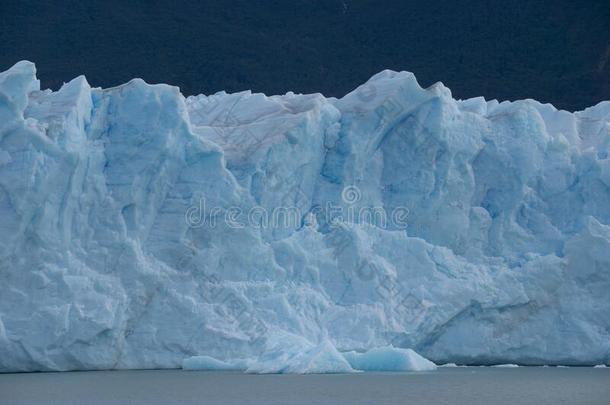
(143,229)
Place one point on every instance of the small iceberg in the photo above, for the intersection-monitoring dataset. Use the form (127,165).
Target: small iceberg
(389,358)
(284,353)
(290,354)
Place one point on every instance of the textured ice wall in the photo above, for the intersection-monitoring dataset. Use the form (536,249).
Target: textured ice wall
(137,227)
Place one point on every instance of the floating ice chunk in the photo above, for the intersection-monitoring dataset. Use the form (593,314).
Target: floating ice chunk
(389,359)
(285,354)
(294,355)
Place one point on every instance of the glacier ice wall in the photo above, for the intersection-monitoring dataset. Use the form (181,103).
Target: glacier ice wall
(135,228)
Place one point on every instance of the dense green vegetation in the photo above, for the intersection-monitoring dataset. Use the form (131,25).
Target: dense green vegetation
(553,51)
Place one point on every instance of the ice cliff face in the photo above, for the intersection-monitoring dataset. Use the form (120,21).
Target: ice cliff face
(139,228)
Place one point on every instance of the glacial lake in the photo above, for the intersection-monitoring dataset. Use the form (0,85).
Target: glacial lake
(463,385)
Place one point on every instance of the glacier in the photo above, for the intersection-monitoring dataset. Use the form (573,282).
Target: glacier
(140,228)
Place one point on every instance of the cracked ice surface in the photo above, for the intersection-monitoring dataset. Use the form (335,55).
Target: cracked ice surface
(109,257)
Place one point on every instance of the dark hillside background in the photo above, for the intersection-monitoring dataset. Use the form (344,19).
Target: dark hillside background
(553,51)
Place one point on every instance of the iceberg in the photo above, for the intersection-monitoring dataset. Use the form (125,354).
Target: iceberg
(389,359)
(140,228)
(283,353)
(292,355)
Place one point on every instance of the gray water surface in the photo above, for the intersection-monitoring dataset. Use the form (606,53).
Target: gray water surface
(464,385)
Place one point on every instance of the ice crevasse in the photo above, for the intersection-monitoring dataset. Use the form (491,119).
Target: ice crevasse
(137,229)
